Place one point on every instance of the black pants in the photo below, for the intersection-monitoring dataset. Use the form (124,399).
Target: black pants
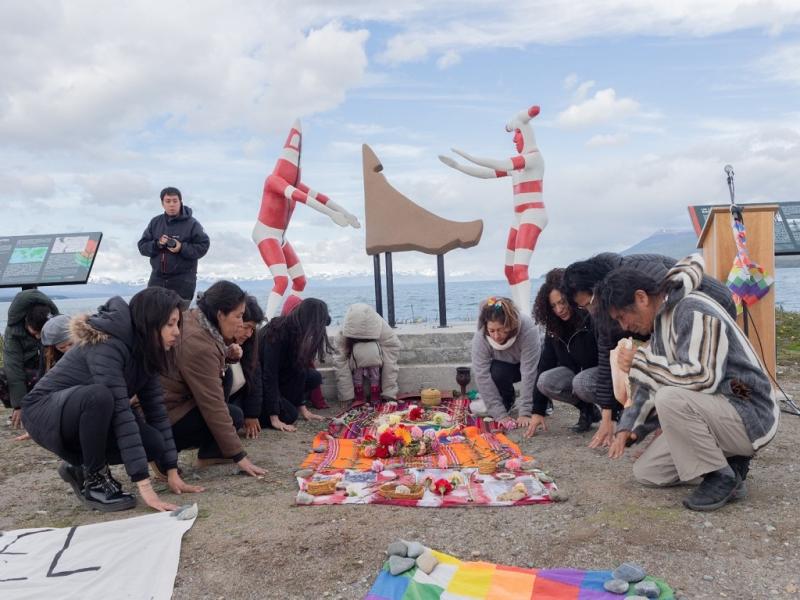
(183,284)
(505,375)
(193,432)
(288,412)
(86,429)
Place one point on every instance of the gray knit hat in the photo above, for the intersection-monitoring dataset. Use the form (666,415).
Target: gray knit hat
(56,330)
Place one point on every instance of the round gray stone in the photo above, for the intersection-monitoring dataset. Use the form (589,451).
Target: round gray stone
(398,548)
(400,564)
(648,589)
(629,572)
(616,586)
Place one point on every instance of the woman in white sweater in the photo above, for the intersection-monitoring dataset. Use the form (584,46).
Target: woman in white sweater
(505,350)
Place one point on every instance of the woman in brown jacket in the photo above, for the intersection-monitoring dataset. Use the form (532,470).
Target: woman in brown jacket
(193,391)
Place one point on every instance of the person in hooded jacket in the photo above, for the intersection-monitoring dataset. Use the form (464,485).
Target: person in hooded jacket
(27,315)
(81,408)
(568,363)
(366,346)
(174,241)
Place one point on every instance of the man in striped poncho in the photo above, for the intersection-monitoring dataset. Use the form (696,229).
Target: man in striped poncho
(699,380)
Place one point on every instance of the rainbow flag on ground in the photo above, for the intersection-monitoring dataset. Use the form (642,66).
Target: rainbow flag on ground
(453,579)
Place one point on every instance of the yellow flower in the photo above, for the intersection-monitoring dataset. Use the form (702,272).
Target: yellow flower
(404,434)
(394,419)
(382,428)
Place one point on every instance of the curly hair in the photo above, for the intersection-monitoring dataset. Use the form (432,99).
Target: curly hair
(499,309)
(543,313)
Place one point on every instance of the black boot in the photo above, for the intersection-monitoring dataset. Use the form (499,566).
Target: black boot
(589,413)
(716,490)
(73,476)
(104,493)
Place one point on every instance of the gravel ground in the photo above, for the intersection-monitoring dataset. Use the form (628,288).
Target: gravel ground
(250,541)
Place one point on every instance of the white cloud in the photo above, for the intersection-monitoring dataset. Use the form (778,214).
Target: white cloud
(570,81)
(603,107)
(105,70)
(489,25)
(610,139)
(448,59)
(781,65)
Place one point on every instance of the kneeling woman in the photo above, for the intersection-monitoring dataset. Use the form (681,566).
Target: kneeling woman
(81,408)
(287,345)
(505,350)
(568,366)
(194,392)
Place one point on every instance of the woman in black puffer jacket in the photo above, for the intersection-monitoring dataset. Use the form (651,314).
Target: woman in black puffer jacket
(81,409)
(567,368)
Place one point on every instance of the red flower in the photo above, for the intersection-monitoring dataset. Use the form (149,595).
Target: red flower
(415,414)
(387,438)
(369,438)
(442,486)
(381,452)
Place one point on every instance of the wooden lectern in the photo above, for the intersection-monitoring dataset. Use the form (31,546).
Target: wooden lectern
(719,250)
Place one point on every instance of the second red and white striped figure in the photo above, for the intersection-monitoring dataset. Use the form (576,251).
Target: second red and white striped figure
(530,217)
(283,189)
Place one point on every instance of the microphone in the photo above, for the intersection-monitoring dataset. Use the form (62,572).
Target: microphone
(728,170)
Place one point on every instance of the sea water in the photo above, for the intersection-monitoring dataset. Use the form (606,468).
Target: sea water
(418,302)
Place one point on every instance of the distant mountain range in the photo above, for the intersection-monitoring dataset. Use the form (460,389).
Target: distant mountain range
(670,243)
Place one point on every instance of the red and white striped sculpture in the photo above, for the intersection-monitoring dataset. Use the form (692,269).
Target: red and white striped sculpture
(530,217)
(283,189)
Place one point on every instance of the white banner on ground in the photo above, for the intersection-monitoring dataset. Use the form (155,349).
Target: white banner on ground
(130,558)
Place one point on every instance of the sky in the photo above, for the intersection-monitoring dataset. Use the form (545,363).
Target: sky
(642,104)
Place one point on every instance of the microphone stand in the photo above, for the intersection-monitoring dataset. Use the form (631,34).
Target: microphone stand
(736,215)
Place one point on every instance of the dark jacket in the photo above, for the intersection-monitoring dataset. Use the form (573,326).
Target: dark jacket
(21,349)
(609,332)
(577,352)
(103,354)
(196,381)
(281,376)
(186,229)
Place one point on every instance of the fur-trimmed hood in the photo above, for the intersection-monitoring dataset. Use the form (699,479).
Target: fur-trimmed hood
(112,319)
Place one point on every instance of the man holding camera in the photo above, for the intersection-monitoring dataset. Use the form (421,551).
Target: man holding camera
(174,241)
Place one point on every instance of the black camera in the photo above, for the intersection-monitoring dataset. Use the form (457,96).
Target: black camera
(171,243)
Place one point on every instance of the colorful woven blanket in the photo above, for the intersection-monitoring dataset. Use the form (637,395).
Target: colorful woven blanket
(455,579)
(463,450)
(470,488)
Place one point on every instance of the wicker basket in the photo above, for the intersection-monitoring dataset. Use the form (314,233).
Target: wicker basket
(486,467)
(430,397)
(416,491)
(321,488)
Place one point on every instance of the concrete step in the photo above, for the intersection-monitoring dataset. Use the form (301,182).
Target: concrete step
(428,358)
(411,378)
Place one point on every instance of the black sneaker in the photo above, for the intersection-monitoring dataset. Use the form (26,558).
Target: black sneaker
(102,492)
(73,476)
(714,492)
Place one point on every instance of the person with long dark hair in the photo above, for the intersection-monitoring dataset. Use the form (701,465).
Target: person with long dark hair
(81,408)
(193,390)
(505,350)
(243,378)
(568,364)
(287,345)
